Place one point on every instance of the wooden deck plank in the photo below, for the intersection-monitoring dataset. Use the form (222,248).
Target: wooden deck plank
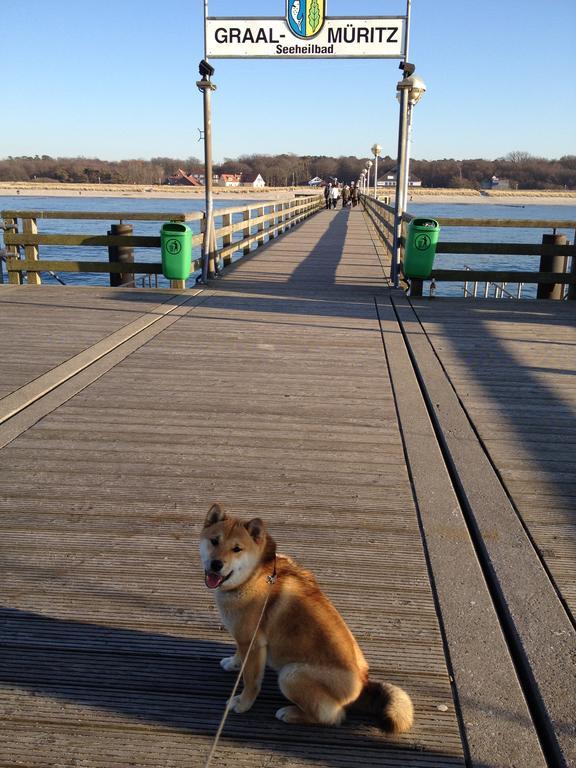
(519,388)
(272,396)
(42,329)
(505,506)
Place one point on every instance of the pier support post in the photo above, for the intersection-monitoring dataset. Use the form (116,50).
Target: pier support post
(121,253)
(552,263)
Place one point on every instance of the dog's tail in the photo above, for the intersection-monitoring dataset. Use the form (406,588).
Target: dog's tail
(391,706)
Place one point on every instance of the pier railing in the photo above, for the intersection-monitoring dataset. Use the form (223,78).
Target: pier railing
(237,229)
(556,269)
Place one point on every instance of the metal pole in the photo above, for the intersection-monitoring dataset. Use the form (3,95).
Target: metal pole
(407,31)
(368,182)
(375,174)
(406,175)
(399,201)
(207,253)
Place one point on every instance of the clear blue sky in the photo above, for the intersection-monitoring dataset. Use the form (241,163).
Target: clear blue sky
(117,80)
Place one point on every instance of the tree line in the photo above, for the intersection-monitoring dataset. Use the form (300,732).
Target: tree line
(523,170)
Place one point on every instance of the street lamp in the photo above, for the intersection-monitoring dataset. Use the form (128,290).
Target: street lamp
(376,151)
(368,166)
(363,180)
(410,90)
(206,87)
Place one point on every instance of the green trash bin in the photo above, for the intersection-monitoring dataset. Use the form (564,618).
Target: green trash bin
(176,246)
(421,247)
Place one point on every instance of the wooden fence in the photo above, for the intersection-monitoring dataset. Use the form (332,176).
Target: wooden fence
(382,216)
(255,224)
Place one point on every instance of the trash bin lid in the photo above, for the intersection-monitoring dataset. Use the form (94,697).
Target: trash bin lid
(428,223)
(174,226)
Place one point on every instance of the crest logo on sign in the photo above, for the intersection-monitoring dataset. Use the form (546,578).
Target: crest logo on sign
(305,17)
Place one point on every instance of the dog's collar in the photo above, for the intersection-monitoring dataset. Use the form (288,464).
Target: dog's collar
(273,576)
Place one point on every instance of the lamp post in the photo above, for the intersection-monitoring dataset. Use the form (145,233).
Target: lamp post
(376,151)
(368,166)
(410,90)
(209,243)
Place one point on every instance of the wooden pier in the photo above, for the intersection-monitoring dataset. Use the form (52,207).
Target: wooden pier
(418,455)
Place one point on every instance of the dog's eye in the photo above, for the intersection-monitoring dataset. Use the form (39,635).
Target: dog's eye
(237,549)
(214,542)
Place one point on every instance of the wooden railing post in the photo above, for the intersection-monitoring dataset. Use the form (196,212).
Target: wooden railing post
(226,222)
(121,253)
(246,230)
(556,262)
(30,227)
(274,223)
(416,286)
(571,295)
(11,226)
(260,228)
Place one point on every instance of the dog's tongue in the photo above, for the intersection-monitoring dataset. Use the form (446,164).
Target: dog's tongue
(213,580)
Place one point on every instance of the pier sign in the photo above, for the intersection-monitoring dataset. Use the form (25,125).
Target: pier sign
(306,33)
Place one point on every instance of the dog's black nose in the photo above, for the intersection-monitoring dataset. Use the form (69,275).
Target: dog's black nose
(216,566)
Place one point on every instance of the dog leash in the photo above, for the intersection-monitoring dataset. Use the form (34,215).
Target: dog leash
(271,580)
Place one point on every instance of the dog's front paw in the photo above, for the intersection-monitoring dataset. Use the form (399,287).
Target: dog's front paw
(231,663)
(241,705)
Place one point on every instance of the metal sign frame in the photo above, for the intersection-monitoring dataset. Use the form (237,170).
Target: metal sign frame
(271,25)
(403,160)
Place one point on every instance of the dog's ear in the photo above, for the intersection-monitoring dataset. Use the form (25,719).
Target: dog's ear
(256,529)
(215,515)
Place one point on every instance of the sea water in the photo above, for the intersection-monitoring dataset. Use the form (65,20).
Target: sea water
(181,205)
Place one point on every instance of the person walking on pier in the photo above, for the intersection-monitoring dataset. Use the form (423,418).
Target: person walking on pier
(327,196)
(345,195)
(334,195)
(354,194)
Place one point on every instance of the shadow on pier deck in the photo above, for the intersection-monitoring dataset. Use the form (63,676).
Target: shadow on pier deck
(419,457)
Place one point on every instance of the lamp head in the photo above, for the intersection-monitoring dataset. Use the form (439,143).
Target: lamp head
(376,150)
(415,87)
(205,69)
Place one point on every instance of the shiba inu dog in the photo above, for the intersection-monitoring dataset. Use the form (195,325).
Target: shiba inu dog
(320,666)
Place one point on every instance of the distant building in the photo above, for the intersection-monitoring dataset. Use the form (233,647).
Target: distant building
(496,183)
(253,180)
(316,182)
(229,179)
(389,180)
(181,178)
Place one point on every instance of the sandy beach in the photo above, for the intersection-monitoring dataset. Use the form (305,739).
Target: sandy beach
(143,191)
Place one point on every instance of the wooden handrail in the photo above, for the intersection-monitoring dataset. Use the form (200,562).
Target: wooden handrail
(281,215)
(382,216)
(103,215)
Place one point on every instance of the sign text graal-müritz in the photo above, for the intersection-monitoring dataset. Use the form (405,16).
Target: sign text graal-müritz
(338,37)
